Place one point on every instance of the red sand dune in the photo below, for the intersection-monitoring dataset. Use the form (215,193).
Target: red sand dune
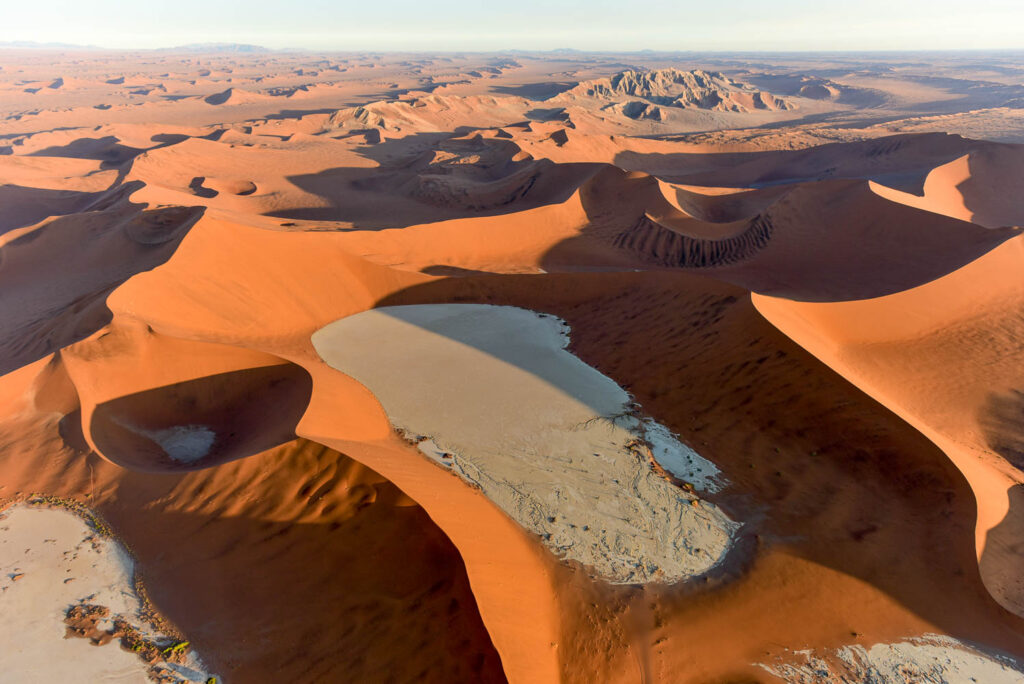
(827,311)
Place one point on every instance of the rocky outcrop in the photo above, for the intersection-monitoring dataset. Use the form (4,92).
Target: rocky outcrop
(697,89)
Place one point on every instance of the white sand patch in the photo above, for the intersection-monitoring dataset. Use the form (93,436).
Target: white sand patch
(679,459)
(184,443)
(51,560)
(931,659)
(491,393)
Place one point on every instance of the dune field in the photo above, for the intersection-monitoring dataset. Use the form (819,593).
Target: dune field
(525,367)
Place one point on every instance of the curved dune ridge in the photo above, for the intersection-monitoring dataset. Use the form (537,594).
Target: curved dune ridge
(915,339)
(549,369)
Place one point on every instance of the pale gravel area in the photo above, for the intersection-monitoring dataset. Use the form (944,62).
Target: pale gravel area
(183,443)
(491,393)
(930,659)
(50,560)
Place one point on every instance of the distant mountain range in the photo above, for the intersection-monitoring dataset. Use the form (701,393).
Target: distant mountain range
(192,47)
(31,44)
(216,47)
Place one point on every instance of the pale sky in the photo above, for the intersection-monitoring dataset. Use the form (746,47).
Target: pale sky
(612,25)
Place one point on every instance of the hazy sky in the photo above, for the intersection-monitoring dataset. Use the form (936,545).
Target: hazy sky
(524,24)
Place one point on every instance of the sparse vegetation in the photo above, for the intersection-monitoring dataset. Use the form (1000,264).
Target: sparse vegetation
(84,620)
(93,519)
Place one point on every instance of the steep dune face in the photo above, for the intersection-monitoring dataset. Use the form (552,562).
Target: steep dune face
(328,536)
(613,196)
(720,205)
(814,241)
(158,404)
(276,291)
(99,250)
(260,305)
(838,240)
(859,504)
(660,244)
(504,565)
(946,356)
(508,243)
(897,161)
(981,187)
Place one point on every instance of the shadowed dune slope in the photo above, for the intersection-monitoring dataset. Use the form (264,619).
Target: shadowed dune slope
(44,310)
(981,187)
(344,558)
(947,357)
(260,305)
(159,404)
(838,240)
(842,483)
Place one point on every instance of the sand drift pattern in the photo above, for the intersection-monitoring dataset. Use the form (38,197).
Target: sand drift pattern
(670,248)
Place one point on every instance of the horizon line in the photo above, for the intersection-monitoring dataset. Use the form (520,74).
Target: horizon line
(217,46)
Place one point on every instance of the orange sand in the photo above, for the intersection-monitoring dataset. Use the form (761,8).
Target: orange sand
(826,308)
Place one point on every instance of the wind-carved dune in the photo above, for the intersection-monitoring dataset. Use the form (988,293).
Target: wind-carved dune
(818,88)
(814,241)
(958,337)
(158,404)
(107,246)
(662,245)
(234,96)
(982,186)
(477,174)
(430,113)
(819,240)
